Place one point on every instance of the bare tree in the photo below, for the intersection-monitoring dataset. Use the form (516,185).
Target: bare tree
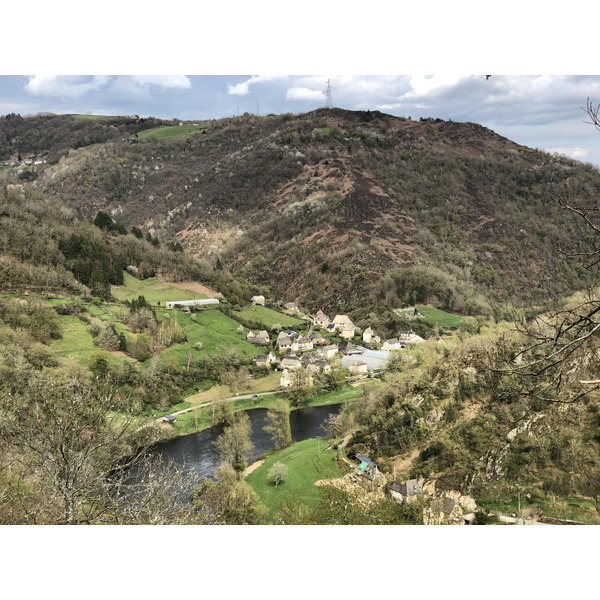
(70,457)
(560,361)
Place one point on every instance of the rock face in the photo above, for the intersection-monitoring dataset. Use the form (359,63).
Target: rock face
(451,508)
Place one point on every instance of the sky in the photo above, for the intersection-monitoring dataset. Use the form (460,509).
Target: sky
(544,111)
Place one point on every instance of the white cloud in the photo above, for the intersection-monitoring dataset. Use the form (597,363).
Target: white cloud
(243,88)
(166,81)
(577,153)
(302,93)
(64,86)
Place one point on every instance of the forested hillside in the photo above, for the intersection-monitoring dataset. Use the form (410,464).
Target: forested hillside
(350,210)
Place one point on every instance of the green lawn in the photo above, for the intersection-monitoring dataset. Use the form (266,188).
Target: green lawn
(154,290)
(574,509)
(216,331)
(76,335)
(441,317)
(269,317)
(307,462)
(92,117)
(172,132)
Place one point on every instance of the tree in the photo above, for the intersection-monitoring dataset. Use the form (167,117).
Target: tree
(277,473)
(70,450)
(279,429)
(234,445)
(302,387)
(559,362)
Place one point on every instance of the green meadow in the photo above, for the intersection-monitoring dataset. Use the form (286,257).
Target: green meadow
(307,462)
(267,317)
(154,290)
(92,117)
(172,132)
(441,317)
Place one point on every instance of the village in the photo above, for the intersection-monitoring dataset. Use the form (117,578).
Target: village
(362,353)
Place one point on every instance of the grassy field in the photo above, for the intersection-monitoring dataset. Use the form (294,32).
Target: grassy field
(172,132)
(154,290)
(441,317)
(307,462)
(92,117)
(213,329)
(269,317)
(573,509)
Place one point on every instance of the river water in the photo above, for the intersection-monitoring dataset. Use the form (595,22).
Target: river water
(196,455)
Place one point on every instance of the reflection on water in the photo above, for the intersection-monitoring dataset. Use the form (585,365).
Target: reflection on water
(195,453)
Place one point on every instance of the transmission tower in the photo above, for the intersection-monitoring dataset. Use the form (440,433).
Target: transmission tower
(328,100)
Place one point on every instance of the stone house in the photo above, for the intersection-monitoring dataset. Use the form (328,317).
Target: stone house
(410,337)
(258,300)
(321,320)
(347,331)
(407,491)
(287,380)
(393,344)
(318,339)
(358,368)
(260,338)
(367,335)
(330,351)
(265,360)
(290,363)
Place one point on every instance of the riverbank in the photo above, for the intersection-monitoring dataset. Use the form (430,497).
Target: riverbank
(199,417)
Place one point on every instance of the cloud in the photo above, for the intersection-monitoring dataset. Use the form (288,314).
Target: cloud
(65,86)
(165,81)
(243,88)
(302,93)
(577,153)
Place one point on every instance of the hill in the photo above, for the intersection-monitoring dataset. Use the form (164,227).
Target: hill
(344,210)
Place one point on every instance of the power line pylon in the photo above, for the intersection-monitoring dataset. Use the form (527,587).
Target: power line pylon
(328,100)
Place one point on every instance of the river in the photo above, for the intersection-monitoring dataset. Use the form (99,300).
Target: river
(196,455)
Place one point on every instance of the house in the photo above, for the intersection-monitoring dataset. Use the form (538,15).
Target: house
(359,367)
(261,338)
(347,331)
(188,303)
(345,347)
(303,344)
(290,363)
(410,337)
(287,380)
(168,419)
(258,300)
(342,320)
(318,339)
(367,335)
(284,342)
(393,344)
(291,306)
(265,360)
(330,351)
(367,468)
(407,491)
(322,320)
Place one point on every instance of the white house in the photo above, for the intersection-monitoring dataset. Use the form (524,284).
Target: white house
(258,300)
